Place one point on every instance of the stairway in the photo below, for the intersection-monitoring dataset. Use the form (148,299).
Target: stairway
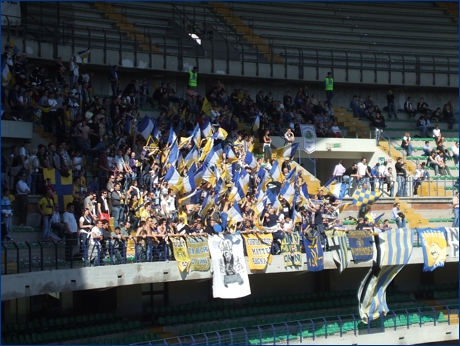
(248,34)
(415,220)
(451,9)
(356,128)
(122,24)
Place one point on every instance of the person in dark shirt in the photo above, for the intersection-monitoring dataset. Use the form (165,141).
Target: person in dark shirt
(318,225)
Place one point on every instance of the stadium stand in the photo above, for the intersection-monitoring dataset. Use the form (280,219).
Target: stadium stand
(109,161)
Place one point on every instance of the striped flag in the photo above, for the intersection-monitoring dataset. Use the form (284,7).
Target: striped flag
(207,204)
(172,136)
(339,249)
(173,177)
(156,131)
(206,128)
(192,198)
(303,190)
(230,155)
(173,154)
(332,187)
(234,214)
(191,157)
(287,152)
(393,250)
(250,160)
(196,136)
(83,55)
(220,134)
(288,192)
(275,172)
(145,127)
(188,184)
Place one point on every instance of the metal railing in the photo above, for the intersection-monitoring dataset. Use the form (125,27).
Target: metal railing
(313,327)
(306,57)
(30,256)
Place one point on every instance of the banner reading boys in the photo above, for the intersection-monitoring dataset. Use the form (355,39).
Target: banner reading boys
(361,245)
(180,253)
(198,250)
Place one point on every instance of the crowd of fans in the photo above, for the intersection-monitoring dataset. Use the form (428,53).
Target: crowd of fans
(129,183)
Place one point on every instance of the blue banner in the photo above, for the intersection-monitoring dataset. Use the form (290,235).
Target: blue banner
(314,252)
(434,246)
(361,245)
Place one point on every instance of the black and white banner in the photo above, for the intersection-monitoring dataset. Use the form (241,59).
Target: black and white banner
(230,277)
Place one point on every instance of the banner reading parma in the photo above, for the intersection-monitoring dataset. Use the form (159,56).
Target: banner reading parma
(434,246)
(361,245)
(258,247)
(290,249)
(198,250)
(179,245)
(452,240)
(230,278)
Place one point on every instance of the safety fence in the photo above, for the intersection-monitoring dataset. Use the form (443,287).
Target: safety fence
(30,256)
(317,328)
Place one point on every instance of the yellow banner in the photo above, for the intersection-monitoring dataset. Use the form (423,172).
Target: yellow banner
(290,249)
(180,251)
(258,247)
(198,250)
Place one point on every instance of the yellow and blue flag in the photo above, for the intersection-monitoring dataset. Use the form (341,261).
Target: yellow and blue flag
(83,55)
(287,152)
(62,185)
(172,177)
(256,124)
(206,128)
(365,197)
(206,108)
(314,253)
(288,192)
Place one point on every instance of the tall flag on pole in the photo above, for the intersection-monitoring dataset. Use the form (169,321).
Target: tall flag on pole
(145,127)
(84,55)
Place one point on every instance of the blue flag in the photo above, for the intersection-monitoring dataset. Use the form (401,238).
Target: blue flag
(361,245)
(314,253)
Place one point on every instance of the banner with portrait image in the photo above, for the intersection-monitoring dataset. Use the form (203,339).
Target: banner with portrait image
(309,138)
(198,250)
(230,277)
(258,247)
(180,250)
(434,246)
(290,250)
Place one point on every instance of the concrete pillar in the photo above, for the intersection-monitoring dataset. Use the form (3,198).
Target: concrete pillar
(66,299)
(129,300)
(10,311)
(23,309)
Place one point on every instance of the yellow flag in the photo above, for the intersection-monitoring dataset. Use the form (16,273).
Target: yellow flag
(206,109)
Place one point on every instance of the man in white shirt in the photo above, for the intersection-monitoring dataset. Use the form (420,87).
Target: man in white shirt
(167,206)
(22,196)
(71,229)
(362,172)
(339,170)
(119,161)
(95,241)
(455,153)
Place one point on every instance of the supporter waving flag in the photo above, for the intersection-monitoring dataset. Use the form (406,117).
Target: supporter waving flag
(206,128)
(196,136)
(172,136)
(145,127)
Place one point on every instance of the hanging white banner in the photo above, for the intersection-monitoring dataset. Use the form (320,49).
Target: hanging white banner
(230,276)
(309,138)
(452,240)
